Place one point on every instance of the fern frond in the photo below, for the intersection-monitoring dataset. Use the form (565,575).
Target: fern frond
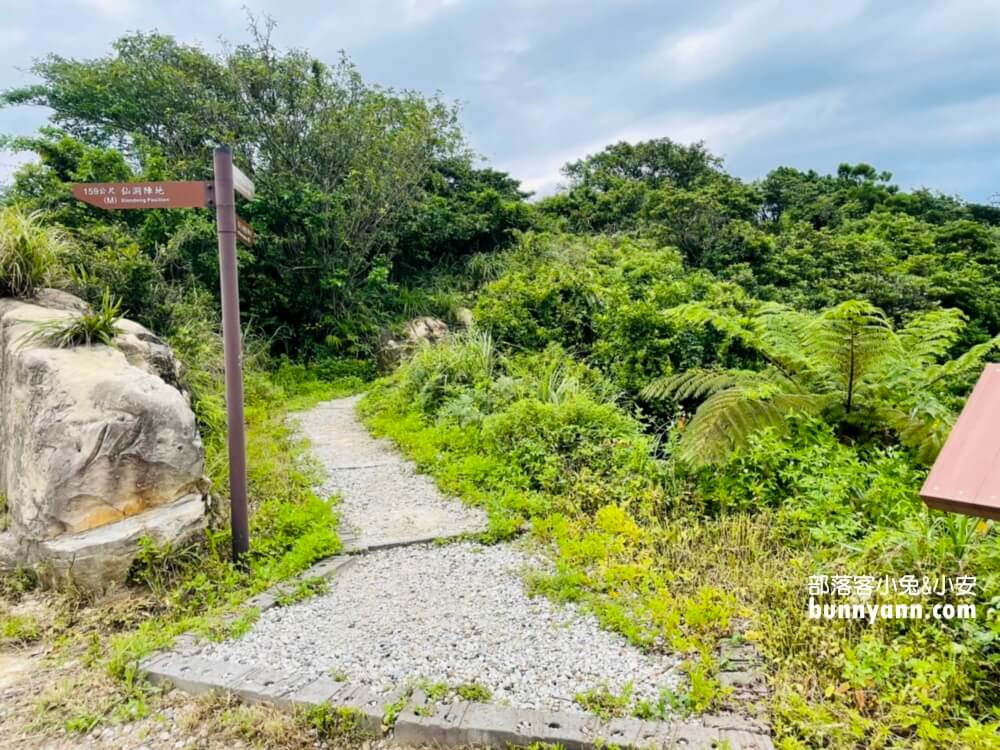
(923,426)
(964,363)
(780,332)
(929,337)
(725,421)
(849,341)
(698,314)
(695,383)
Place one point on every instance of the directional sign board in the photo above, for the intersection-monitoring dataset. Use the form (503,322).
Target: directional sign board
(965,477)
(244,232)
(244,186)
(219,194)
(133,195)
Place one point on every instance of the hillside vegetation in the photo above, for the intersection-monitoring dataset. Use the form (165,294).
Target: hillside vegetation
(703,392)
(698,391)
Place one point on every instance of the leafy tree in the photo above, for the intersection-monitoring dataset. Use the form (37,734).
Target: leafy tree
(846,364)
(655,162)
(583,209)
(465,211)
(608,190)
(825,200)
(341,166)
(709,223)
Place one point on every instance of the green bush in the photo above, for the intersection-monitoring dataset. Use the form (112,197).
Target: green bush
(576,447)
(604,299)
(436,374)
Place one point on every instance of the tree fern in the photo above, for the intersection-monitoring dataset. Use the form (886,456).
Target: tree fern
(726,419)
(846,364)
(695,383)
(847,342)
(930,336)
(780,334)
(696,314)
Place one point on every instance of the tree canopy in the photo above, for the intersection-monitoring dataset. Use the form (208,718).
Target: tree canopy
(357,184)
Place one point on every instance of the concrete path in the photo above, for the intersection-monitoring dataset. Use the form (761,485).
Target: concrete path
(455,613)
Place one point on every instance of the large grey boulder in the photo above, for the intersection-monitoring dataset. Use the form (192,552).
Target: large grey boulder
(92,437)
(93,560)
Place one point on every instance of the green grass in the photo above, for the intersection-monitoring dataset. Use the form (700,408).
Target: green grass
(605,702)
(30,252)
(343,725)
(394,709)
(473,692)
(19,629)
(435,691)
(304,589)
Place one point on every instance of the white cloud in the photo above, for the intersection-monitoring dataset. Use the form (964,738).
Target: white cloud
(957,28)
(722,132)
(10,162)
(708,51)
(12,36)
(422,11)
(110,8)
(358,22)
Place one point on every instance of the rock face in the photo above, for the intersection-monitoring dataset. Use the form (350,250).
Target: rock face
(426,329)
(416,332)
(92,438)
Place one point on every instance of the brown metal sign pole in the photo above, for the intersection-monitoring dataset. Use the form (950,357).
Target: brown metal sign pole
(225,212)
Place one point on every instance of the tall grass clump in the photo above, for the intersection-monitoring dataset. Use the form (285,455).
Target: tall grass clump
(30,252)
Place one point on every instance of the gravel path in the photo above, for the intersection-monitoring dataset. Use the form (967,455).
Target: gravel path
(384,501)
(456,613)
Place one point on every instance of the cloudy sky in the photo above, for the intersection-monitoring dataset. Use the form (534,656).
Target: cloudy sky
(912,87)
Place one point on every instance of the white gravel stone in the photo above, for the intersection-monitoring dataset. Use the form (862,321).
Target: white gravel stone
(456,614)
(383,499)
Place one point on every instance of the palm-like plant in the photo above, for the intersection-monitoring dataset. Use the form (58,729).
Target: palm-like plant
(846,364)
(98,326)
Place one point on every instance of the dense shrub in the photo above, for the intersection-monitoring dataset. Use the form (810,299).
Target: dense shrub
(603,299)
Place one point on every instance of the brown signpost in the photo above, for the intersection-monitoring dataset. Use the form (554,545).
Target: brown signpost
(244,232)
(965,477)
(232,343)
(132,195)
(220,194)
